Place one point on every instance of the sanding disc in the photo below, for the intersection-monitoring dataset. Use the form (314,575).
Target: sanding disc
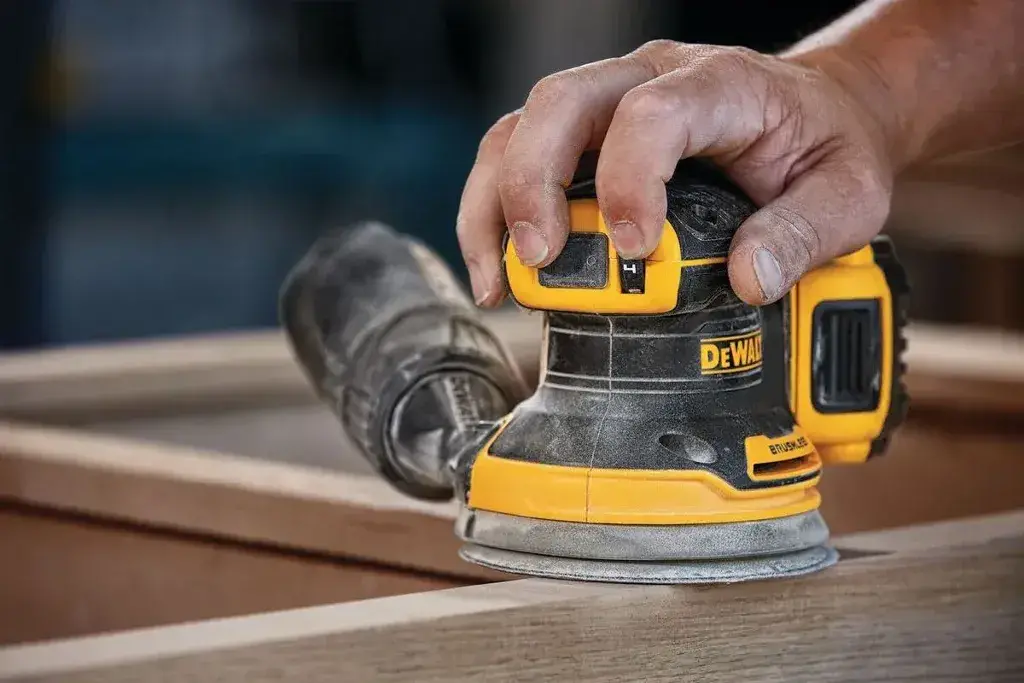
(669,554)
(654,572)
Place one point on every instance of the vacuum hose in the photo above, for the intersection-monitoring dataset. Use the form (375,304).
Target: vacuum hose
(393,345)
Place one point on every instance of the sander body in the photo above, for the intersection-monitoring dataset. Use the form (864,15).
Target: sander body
(675,435)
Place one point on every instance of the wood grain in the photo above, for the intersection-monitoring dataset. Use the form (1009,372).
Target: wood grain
(948,607)
(63,576)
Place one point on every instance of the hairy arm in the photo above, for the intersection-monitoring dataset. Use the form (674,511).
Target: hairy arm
(946,76)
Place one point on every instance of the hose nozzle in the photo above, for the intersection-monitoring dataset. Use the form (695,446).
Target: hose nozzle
(397,350)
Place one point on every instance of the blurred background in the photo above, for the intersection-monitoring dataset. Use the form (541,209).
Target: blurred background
(163,164)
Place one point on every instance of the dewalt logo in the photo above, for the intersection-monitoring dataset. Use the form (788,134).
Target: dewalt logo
(737,353)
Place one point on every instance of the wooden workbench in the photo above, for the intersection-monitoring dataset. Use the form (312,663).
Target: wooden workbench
(149,488)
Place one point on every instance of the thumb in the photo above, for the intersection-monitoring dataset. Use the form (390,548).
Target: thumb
(832,209)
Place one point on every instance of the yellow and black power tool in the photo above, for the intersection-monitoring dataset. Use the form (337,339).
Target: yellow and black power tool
(676,434)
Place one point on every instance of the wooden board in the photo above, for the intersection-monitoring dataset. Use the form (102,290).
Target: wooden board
(284,475)
(965,370)
(142,377)
(273,503)
(64,576)
(944,603)
(248,468)
(927,475)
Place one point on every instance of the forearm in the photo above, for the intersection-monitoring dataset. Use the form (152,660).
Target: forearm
(942,76)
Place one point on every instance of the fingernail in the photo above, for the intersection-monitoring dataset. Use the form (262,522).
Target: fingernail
(629,241)
(481,288)
(769,274)
(531,246)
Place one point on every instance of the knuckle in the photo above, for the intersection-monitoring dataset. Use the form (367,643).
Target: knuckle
(515,183)
(870,191)
(608,187)
(648,102)
(721,60)
(496,138)
(464,233)
(871,183)
(727,60)
(619,188)
(745,54)
(554,88)
(805,234)
(664,55)
(657,47)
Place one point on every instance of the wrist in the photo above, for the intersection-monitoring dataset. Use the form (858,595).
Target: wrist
(870,89)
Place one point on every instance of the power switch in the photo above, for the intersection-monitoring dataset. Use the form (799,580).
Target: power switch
(583,263)
(631,276)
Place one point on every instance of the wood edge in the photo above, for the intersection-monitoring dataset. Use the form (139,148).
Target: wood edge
(932,535)
(965,370)
(965,352)
(158,460)
(137,646)
(232,497)
(150,376)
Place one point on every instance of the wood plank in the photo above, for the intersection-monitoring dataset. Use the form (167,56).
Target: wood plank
(140,377)
(948,368)
(304,508)
(63,576)
(948,607)
(964,369)
(927,475)
(304,435)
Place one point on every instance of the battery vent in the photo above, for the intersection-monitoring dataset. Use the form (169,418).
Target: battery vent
(847,359)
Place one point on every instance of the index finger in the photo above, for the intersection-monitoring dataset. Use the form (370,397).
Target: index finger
(480,225)
(565,114)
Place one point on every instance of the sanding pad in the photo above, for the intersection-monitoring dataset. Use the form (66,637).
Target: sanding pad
(654,554)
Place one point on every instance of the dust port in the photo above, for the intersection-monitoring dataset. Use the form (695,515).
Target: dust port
(785,468)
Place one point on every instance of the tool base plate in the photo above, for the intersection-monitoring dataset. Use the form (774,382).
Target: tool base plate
(654,572)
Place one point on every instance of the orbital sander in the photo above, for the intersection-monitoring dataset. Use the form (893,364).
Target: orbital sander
(676,434)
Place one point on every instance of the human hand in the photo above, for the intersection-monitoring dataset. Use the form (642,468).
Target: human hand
(793,132)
